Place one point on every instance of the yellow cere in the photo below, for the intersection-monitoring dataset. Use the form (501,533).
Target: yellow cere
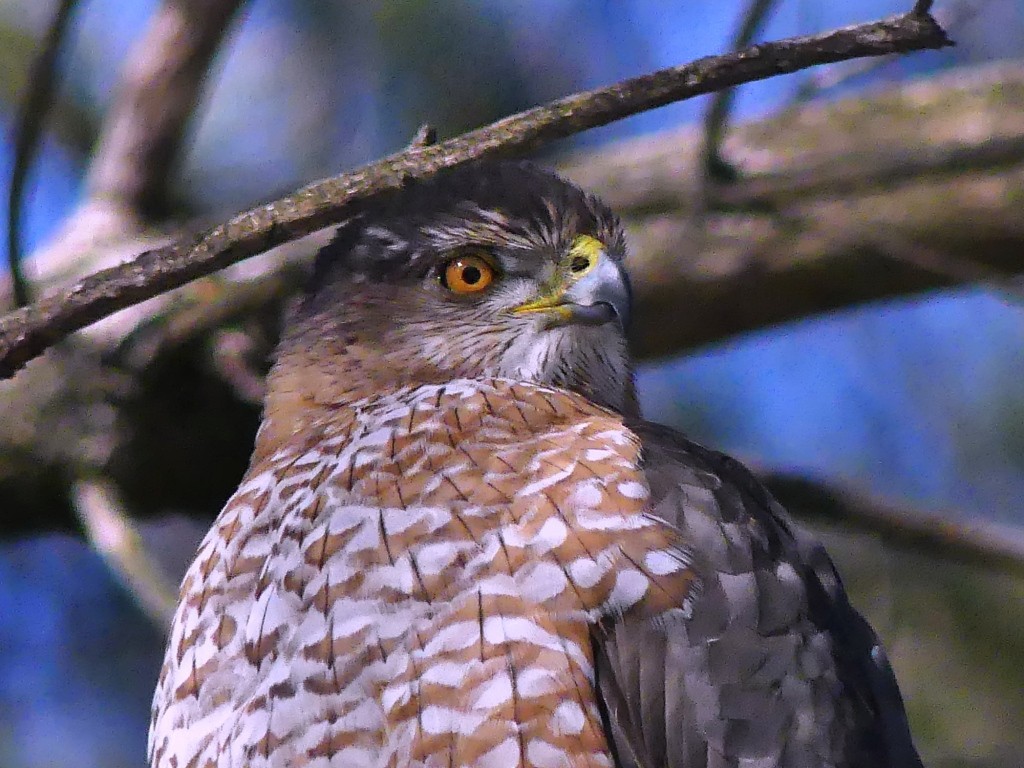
(585,253)
(583,256)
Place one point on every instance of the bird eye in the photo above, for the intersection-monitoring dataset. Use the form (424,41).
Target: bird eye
(467,274)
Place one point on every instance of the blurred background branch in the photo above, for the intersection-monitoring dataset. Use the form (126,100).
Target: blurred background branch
(716,119)
(744,270)
(130,434)
(829,202)
(113,535)
(997,548)
(125,208)
(35,105)
(145,129)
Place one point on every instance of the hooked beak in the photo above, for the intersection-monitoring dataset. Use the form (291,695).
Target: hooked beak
(600,296)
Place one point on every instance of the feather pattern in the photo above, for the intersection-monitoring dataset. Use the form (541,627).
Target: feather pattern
(774,668)
(457,544)
(411,583)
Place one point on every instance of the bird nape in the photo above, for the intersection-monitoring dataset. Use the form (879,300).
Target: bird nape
(459,544)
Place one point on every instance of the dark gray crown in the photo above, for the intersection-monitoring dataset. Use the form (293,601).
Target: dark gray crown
(498,204)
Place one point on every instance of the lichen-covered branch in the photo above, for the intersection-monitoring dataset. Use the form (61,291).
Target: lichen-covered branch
(26,333)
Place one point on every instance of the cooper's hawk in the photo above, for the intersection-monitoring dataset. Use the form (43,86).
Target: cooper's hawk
(458,544)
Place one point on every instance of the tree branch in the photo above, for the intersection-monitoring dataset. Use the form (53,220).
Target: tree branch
(966,217)
(36,104)
(140,141)
(854,172)
(112,534)
(26,333)
(717,116)
(994,547)
(160,85)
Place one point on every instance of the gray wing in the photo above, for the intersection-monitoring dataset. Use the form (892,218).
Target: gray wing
(773,668)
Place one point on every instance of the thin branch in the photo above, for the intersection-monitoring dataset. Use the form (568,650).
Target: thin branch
(41,82)
(187,322)
(426,136)
(26,333)
(717,116)
(950,16)
(994,547)
(893,245)
(1005,286)
(112,534)
(235,362)
(834,76)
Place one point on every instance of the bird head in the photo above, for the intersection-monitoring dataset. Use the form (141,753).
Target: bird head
(492,270)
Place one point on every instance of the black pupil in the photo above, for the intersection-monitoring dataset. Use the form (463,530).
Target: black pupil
(579,264)
(471,275)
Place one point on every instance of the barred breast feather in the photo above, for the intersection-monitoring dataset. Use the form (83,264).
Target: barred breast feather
(414,581)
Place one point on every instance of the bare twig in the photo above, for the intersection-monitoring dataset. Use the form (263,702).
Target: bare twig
(835,75)
(950,16)
(190,320)
(990,546)
(26,333)
(233,360)
(1003,285)
(112,534)
(41,81)
(893,245)
(717,116)
(426,136)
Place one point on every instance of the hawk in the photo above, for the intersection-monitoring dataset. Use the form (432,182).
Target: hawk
(459,544)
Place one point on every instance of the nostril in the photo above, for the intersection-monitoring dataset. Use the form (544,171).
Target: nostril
(579,264)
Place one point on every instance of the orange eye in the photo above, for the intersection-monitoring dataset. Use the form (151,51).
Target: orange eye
(467,274)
